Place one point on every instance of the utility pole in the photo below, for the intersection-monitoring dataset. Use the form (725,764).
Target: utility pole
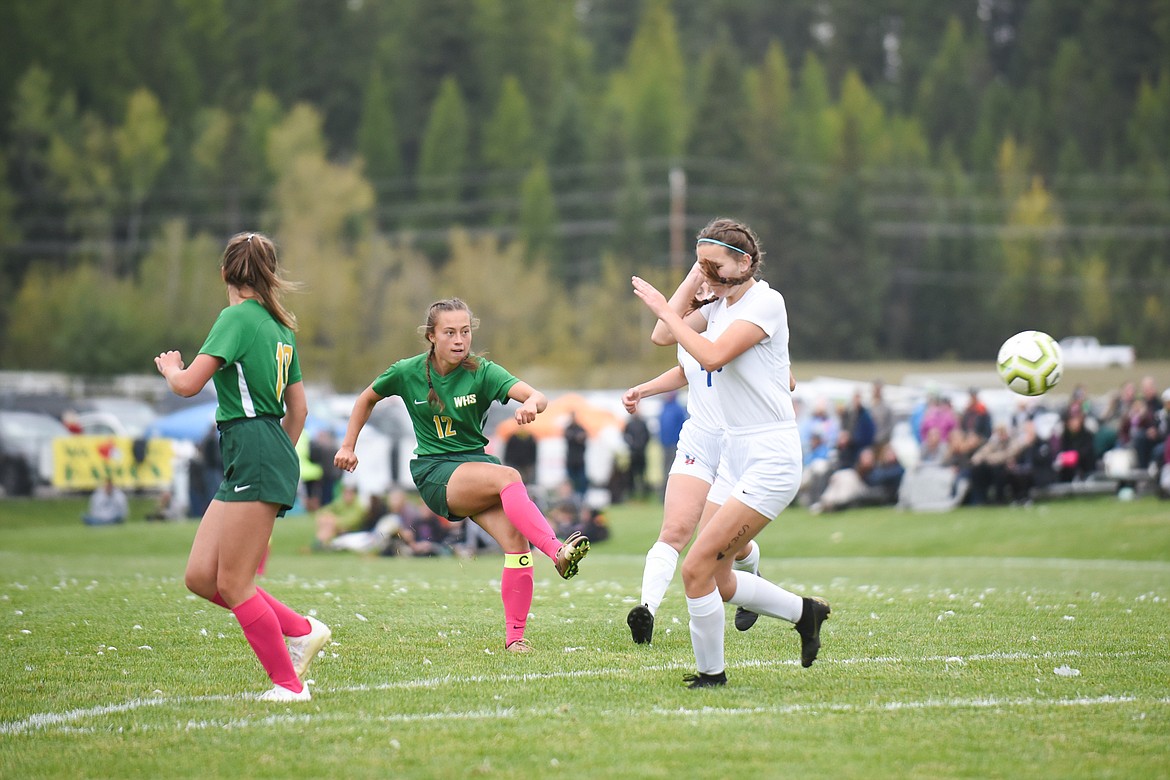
(678,220)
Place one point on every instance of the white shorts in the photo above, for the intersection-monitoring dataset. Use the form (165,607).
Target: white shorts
(760,469)
(697,454)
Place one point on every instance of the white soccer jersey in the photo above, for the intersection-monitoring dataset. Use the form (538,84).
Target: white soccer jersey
(753,388)
(702,397)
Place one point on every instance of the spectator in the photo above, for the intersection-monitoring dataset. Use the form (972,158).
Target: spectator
(423,534)
(989,467)
(165,508)
(1076,454)
(1140,432)
(1031,465)
(322,490)
(343,514)
(670,422)
(637,438)
(107,505)
(520,453)
(882,415)
(870,481)
(857,423)
(576,440)
(820,422)
(934,450)
(938,416)
(818,464)
(374,531)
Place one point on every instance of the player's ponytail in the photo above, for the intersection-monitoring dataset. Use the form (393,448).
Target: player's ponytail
(249,260)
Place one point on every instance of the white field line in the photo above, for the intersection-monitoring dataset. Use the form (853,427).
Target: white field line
(988,562)
(60,721)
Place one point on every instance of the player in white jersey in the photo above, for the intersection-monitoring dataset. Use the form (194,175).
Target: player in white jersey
(691,475)
(742,340)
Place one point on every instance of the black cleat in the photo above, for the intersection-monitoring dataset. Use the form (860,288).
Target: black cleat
(641,622)
(816,611)
(701,680)
(745,618)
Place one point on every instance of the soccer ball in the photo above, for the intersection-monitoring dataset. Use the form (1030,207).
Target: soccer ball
(1030,363)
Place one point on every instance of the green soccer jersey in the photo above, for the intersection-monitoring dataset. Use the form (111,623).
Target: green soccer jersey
(259,361)
(466,396)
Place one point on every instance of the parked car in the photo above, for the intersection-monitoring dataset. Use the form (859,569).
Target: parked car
(26,450)
(115,416)
(1088,352)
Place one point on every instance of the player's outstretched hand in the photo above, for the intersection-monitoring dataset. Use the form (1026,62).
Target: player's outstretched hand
(654,300)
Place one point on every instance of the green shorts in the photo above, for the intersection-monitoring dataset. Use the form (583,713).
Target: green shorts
(432,472)
(259,462)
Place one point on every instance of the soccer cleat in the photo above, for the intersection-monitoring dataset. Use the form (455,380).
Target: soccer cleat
(575,547)
(701,680)
(641,623)
(281,694)
(816,611)
(303,649)
(518,646)
(745,618)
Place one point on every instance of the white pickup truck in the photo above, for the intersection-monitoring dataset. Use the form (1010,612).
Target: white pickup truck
(1088,352)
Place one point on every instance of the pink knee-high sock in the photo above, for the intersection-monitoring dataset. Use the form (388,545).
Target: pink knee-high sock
(262,630)
(292,623)
(528,520)
(516,593)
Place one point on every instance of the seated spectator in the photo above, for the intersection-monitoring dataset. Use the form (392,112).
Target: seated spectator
(818,464)
(424,534)
(1075,451)
(165,509)
(107,505)
(933,450)
(373,532)
(865,482)
(343,514)
(886,477)
(989,467)
(1031,465)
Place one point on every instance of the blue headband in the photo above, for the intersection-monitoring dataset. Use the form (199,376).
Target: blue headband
(720,243)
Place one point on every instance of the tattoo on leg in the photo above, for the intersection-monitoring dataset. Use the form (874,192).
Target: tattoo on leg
(733,543)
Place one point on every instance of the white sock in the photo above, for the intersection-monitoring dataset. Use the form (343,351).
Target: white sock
(750,563)
(661,562)
(707,616)
(765,598)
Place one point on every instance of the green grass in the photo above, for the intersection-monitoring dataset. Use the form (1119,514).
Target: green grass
(939,661)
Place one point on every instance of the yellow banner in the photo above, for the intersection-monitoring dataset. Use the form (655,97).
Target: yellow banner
(84,462)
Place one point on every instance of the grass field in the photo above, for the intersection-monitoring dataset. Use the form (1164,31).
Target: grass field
(992,642)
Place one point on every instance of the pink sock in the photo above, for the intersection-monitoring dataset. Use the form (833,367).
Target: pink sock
(516,593)
(263,632)
(292,623)
(528,520)
(218,599)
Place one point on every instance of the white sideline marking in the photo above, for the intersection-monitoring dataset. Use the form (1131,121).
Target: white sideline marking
(49,720)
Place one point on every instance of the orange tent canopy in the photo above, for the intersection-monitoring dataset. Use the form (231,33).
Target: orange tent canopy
(552,421)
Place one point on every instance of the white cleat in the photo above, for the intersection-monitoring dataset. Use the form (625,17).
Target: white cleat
(303,649)
(281,694)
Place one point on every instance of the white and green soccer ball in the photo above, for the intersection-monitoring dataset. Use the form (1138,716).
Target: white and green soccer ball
(1030,363)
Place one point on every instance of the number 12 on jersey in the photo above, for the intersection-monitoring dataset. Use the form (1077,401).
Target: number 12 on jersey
(284,356)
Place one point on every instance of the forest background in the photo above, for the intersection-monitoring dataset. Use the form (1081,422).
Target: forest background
(926,176)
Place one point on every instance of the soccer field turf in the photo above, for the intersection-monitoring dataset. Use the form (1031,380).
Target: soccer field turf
(991,642)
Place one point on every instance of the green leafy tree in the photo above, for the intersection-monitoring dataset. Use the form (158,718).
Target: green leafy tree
(538,220)
(377,135)
(445,145)
(141,145)
(722,118)
(948,92)
(654,89)
(507,149)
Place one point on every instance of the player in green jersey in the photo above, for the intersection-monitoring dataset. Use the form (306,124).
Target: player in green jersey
(250,354)
(447,391)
